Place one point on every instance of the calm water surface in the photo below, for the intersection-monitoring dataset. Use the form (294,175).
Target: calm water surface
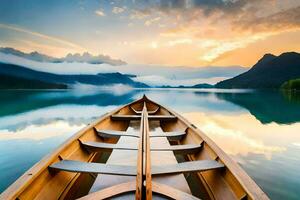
(260,130)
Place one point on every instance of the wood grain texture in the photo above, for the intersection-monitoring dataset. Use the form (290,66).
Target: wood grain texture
(137,117)
(147,158)
(140,163)
(115,134)
(177,149)
(150,112)
(111,191)
(172,136)
(171,192)
(192,166)
(97,168)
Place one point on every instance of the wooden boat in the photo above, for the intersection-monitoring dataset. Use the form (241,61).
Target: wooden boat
(143,151)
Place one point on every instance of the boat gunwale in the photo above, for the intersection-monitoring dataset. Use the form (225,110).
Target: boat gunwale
(21,183)
(247,183)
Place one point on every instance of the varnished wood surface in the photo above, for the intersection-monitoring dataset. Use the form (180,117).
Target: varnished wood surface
(97,168)
(140,162)
(115,134)
(138,117)
(100,146)
(192,166)
(171,192)
(172,136)
(177,149)
(150,112)
(111,191)
(148,175)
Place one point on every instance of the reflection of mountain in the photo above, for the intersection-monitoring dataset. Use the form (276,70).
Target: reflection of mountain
(266,106)
(269,72)
(98,79)
(23,101)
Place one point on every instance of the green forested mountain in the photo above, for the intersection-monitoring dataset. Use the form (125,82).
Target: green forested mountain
(269,72)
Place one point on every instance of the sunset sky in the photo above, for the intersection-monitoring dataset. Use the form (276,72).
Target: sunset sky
(166,32)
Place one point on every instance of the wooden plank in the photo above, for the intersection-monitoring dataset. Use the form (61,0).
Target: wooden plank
(119,117)
(137,117)
(180,149)
(115,134)
(177,149)
(162,117)
(140,163)
(192,166)
(150,112)
(172,136)
(147,158)
(111,191)
(97,168)
(171,192)
(101,147)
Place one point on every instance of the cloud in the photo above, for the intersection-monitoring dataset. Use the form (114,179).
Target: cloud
(42,36)
(279,22)
(80,58)
(100,13)
(228,24)
(180,41)
(225,46)
(139,14)
(118,10)
(152,21)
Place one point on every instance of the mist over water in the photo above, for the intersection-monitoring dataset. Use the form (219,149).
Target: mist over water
(258,129)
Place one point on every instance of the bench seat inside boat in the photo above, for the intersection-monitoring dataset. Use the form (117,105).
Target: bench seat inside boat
(129,157)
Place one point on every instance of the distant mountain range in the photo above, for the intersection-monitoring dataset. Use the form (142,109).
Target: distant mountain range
(201,85)
(17,77)
(269,72)
(12,82)
(84,58)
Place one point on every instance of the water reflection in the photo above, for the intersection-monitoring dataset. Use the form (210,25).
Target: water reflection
(258,129)
(267,106)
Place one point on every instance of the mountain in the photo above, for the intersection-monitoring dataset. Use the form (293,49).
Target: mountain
(12,82)
(269,72)
(98,79)
(201,85)
(84,58)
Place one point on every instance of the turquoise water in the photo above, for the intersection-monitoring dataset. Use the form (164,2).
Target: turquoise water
(259,130)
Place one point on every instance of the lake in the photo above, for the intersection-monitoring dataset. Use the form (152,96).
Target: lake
(259,129)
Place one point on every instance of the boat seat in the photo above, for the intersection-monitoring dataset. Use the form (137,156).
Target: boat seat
(128,157)
(98,168)
(177,149)
(191,166)
(171,136)
(138,117)
(150,112)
